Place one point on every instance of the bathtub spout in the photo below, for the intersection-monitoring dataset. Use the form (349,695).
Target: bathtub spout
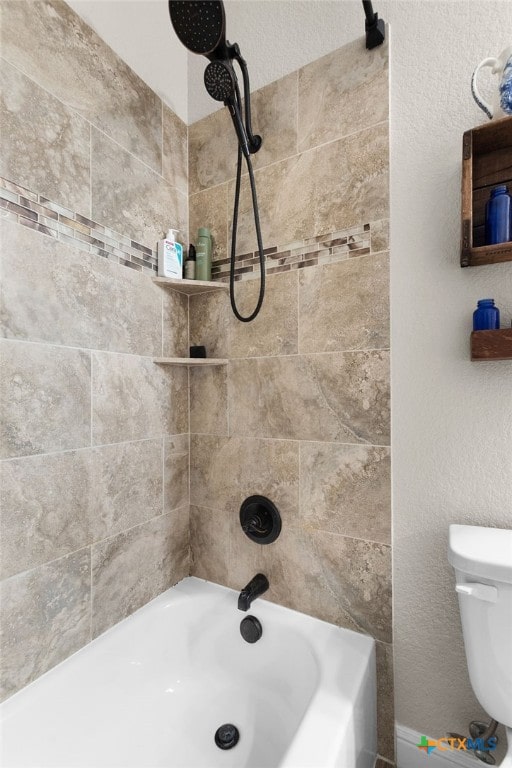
(256,587)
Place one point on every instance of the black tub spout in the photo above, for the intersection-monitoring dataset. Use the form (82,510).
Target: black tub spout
(256,587)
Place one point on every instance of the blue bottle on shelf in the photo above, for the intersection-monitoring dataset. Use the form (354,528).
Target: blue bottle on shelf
(498,216)
(486,317)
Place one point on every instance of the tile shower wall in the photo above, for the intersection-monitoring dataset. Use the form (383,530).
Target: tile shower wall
(301,413)
(95,445)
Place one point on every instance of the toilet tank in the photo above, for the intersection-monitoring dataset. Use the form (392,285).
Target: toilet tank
(482,559)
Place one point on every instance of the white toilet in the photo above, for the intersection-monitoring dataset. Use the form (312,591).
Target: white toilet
(482,559)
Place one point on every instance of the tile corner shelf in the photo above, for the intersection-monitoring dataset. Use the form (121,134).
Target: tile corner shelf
(491,345)
(190,287)
(190,361)
(486,162)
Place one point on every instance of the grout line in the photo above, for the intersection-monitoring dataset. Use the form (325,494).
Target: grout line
(163,475)
(299,153)
(188,187)
(78,349)
(91,611)
(307,528)
(90,173)
(189,457)
(229,234)
(228,398)
(96,542)
(289,440)
(92,408)
(299,473)
(310,354)
(297,121)
(29,456)
(298,314)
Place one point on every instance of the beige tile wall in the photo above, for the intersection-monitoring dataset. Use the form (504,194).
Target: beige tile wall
(80,127)
(94,491)
(95,486)
(301,413)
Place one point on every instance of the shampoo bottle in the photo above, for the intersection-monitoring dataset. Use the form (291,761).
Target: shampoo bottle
(204,254)
(170,256)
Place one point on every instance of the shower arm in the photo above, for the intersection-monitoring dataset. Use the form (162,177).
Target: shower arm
(253,140)
(375,27)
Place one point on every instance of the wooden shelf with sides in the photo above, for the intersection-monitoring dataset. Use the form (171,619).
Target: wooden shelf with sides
(191,362)
(486,162)
(190,287)
(492,345)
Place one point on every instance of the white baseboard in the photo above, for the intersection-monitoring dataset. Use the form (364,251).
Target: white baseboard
(409,756)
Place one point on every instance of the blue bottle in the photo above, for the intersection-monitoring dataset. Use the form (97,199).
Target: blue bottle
(486,317)
(498,216)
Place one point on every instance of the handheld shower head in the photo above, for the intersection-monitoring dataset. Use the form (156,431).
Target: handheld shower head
(200,26)
(221,84)
(219,80)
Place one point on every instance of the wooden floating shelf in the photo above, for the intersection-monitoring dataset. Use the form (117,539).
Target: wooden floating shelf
(486,162)
(190,287)
(492,345)
(487,254)
(190,361)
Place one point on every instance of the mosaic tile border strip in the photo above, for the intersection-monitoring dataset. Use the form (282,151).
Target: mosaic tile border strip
(37,212)
(54,220)
(310,252)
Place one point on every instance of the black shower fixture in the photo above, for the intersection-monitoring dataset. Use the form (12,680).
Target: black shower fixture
(201,27)
(375,27)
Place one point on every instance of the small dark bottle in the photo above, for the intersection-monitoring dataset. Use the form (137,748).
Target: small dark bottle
(486,317)
(498,216)
(189,272)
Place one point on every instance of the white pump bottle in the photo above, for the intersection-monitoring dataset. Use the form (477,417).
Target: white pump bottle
(170,256)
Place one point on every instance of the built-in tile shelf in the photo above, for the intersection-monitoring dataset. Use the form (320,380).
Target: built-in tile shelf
(190,361)
(492,345)
(190,287)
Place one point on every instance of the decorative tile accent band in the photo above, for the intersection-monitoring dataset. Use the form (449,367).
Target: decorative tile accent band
(322,249)
(37,212)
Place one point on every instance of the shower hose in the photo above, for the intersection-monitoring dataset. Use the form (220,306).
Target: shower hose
(252,181)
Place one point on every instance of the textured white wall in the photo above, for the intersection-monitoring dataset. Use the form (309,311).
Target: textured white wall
(452,419)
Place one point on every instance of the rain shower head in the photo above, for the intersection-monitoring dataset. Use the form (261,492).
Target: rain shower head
(200,26)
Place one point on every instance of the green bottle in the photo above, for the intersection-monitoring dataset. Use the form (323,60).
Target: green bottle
(204,254)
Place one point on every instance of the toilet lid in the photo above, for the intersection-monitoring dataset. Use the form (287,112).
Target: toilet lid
(484,552)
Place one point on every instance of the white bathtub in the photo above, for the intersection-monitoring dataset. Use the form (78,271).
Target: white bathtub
(153,690)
